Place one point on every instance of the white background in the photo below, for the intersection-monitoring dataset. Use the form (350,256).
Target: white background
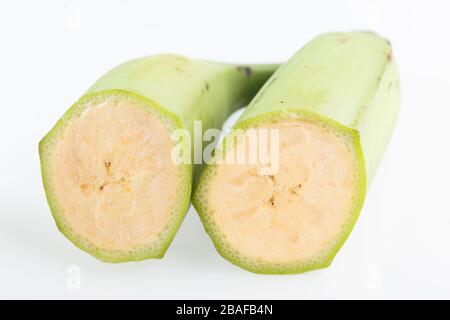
(51,51)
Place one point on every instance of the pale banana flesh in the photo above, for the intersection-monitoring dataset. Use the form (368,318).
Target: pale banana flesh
(334,105)
(111,183)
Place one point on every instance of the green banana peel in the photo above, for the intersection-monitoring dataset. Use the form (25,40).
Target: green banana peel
(335,104)
(93,189)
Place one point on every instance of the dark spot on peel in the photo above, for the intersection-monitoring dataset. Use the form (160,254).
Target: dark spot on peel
(343,40)
(207,86)
(245,70)
(389,56)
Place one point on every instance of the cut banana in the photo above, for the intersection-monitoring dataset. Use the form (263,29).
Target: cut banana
(333,106)
(111,181)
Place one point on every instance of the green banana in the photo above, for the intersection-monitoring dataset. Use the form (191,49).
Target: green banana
(334,105)
(107,167)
